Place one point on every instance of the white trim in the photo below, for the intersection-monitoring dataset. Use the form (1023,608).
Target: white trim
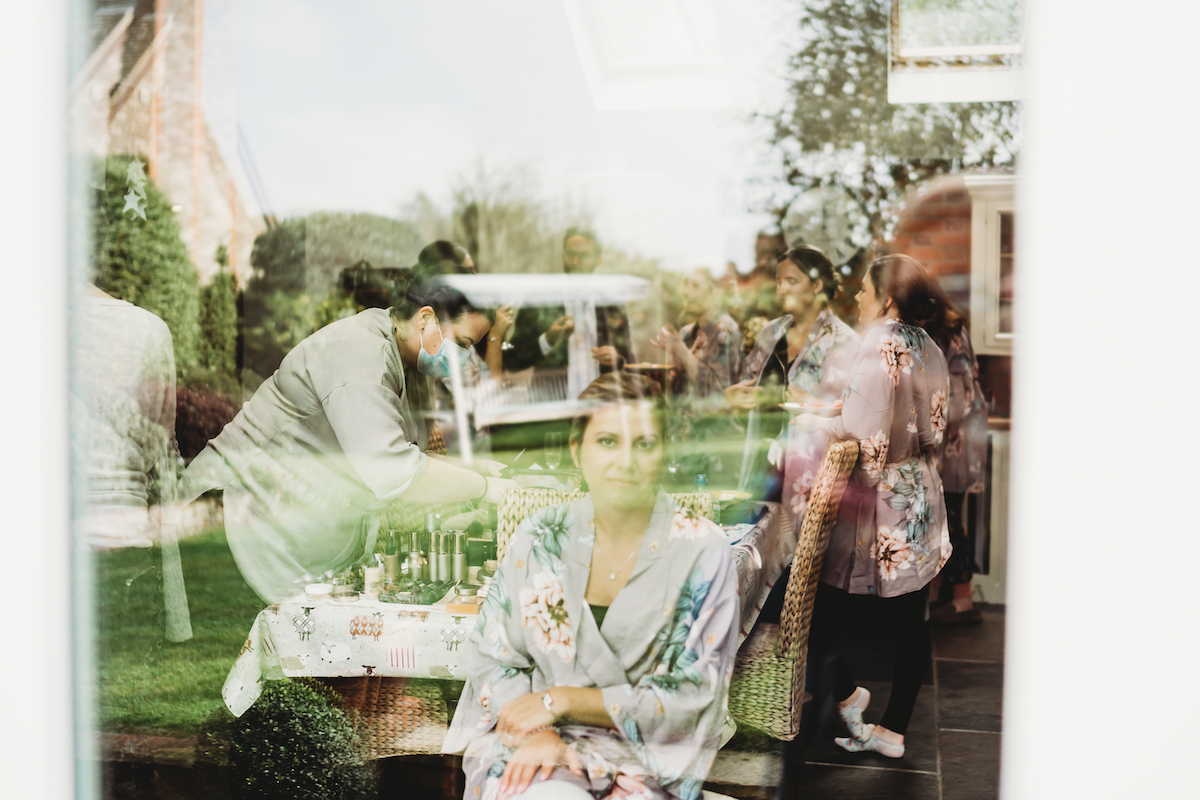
(991,195)
(951,84)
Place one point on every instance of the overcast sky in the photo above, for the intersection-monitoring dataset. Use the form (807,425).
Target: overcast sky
(634,108)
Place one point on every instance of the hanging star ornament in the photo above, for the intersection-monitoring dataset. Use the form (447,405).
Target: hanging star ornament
(135,174)
(135,203)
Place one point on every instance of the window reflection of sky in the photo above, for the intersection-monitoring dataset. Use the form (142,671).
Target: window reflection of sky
(361,107)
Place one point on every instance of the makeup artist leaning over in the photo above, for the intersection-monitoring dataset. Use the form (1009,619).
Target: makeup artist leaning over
(336,434)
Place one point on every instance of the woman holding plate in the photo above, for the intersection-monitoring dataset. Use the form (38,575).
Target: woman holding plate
(600,662)
(801,357)
(890,538)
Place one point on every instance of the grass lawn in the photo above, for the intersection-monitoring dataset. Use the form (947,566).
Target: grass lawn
(145,683)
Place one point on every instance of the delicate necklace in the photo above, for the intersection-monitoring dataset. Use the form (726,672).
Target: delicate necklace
(612,575)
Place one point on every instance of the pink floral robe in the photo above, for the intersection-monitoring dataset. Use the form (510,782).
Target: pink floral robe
(891,536)
(962,458)
(822,368)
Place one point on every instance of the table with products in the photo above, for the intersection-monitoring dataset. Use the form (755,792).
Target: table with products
(327,638)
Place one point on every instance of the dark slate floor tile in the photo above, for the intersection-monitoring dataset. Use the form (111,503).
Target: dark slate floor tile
(970,695)
(982,642)
(970,766)
(819,782)
(920,745)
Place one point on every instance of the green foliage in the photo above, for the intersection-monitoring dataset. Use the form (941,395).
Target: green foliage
(294,744)
(278,257)
(218,326)
(145,261)
(294,289)
(143,682)
(838,126)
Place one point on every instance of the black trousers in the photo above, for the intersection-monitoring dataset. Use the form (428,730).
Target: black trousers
(903,616)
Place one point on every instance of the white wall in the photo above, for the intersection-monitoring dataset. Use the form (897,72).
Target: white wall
(36,749)
(1100,694)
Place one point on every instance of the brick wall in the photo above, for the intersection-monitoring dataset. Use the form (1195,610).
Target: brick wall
(935,229)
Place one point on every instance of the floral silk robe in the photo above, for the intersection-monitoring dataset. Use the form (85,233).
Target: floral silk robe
(717,348)
(891,536)
(663,657)
(822,369)
(962,458)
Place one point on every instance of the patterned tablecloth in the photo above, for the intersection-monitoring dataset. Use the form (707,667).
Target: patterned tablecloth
(327,639)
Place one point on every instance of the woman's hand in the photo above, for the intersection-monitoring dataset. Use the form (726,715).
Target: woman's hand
(496,489)
(797,395)
(560,329)
(743,396)
(536,758)
(668,339)
(607,356)
(807,423)
(521,716)
(505,316)
(485,467)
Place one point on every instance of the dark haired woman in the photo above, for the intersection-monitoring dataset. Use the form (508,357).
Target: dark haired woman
(962,464)
(802,356)
(447,258)
(600,662)
(890,538)
(335,435)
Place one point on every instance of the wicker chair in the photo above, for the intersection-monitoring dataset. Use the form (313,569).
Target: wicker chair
(768,677)
(517,504)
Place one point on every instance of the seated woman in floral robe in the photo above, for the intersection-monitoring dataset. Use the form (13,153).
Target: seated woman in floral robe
(600,663)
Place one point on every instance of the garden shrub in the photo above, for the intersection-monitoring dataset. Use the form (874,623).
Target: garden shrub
(200,414)
(219,329)
(296,742)
(145,262)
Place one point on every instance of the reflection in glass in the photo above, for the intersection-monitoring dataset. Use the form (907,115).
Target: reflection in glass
(1007,254)
(994,25)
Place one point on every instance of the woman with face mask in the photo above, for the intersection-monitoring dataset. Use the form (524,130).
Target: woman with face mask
(336,434)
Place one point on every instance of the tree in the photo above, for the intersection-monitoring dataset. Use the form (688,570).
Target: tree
(144,260)
(219,327)
(297,265)
(837,126)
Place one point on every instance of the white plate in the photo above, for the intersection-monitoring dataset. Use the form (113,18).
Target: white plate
(801,408)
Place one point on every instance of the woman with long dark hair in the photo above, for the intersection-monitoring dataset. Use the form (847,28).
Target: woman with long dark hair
(962,464)
(336,434)
(803,356)
(890,538)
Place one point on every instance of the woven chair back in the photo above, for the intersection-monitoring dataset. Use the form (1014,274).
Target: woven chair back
(517,504)
(767,690)
(819,516)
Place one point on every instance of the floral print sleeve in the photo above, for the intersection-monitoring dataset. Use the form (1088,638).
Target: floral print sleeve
(672,716)
(891,537)
(869,398)
(499,666)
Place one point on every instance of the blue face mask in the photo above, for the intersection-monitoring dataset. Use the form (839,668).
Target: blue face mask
(440,364)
